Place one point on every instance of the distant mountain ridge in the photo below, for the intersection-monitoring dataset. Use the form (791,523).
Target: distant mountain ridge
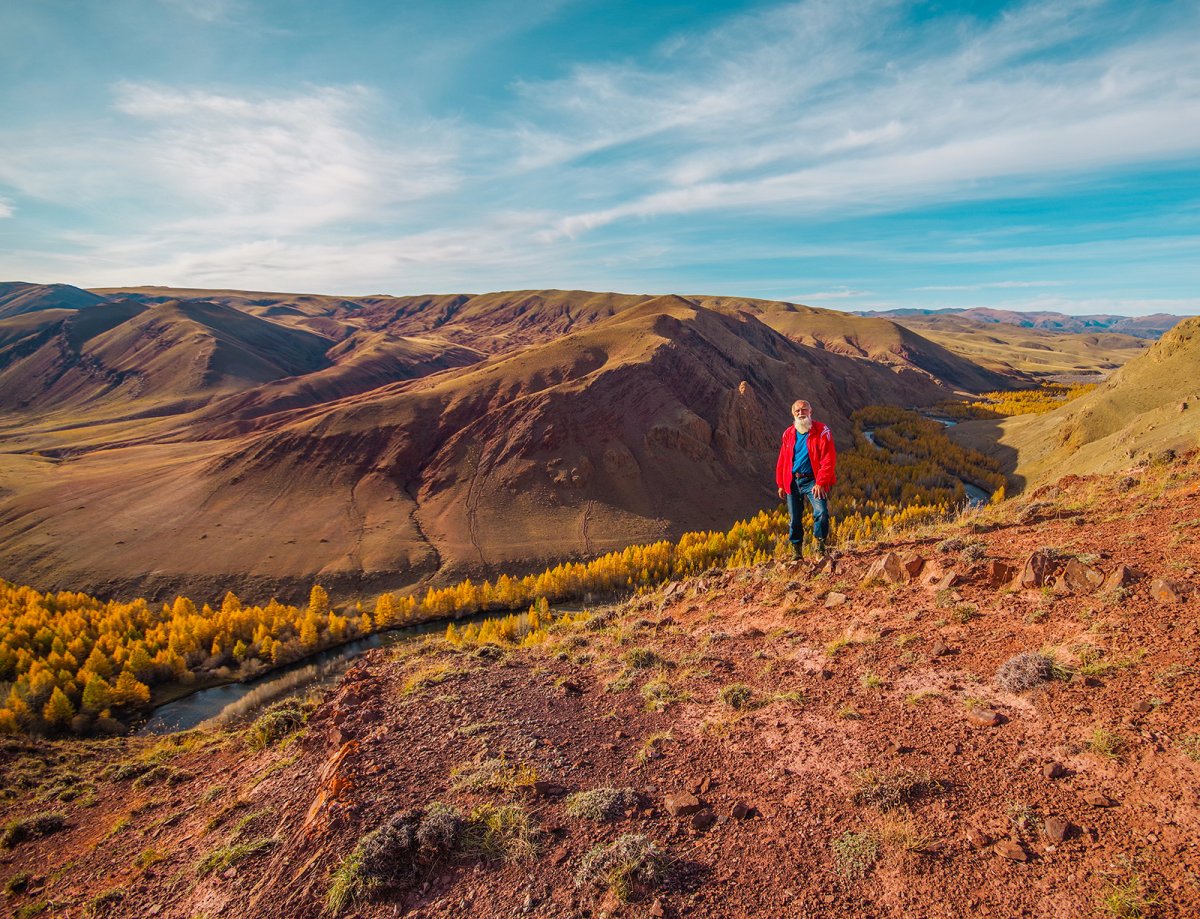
(1153,326)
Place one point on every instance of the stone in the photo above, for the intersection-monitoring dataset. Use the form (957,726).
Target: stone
(543,789)
(948,581)
(1096,799)
(939,649)
(705,784)
(1011,850)
(656,909)
(230,873)
(887,569)
(567,688)
(1121,576)
(1143,707)
(913,566)
(1053,770)
(702,820)
(682,804)
(1080,578)
(1039,569)
(984,718)
(1165,591)
(740,811)
(977,837)
(1056,829)
(833,598)
(1079,679)
(1000,573)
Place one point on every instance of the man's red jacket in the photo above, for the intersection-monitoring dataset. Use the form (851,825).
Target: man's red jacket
(820,453)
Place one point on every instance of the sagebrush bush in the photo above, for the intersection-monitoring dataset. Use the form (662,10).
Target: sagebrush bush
(1024,671)
(855,854)
(602,804)
(887,790)
(629,865)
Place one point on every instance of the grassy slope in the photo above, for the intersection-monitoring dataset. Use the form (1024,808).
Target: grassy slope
(1136,413)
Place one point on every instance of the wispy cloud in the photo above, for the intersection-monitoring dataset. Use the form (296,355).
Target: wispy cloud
(276,164)
(838,293)
(205,10)
(990,285)
(6,209)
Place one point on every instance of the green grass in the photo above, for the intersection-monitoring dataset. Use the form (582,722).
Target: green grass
(1128,900)
(855,854)
(504,833)
(493,775)
(227,856)
(736,695)
(871,680)
(1107,744)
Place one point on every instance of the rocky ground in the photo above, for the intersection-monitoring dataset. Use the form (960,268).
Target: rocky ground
(998,717)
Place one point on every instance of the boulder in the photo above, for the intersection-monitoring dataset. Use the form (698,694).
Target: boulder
(1011,850)
(887,569)
(682,804)
(1165,591)
(1121,576)
(833,598)
(1056,829)
(1080,578)
(1000,573)
(1040,568)
(913,566)
(984,718)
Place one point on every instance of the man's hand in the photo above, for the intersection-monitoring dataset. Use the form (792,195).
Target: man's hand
(782,494)
(819,493)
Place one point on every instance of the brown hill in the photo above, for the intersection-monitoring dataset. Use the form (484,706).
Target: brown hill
(17,298)
(792,742)
(1151,327)
(1009,348)
(644,421)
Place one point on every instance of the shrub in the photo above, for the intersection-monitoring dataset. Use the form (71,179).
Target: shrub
(277,722)
(502,833)
(16,832)
(602,804)
(392,852)
(627,866)
(493,775)
(1024,671)
(1105,743)
(855,854)
(887,790)
(736,695)
(641,658)
(1129,900)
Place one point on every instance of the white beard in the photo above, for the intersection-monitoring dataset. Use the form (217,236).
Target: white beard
(803,425)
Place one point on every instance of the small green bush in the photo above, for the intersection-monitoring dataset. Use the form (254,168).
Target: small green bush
(736,695)
(855,854)
(277,722)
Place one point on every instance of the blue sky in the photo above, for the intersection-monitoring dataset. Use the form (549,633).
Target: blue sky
(856,155)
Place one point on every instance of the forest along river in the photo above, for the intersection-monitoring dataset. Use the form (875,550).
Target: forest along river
(232,701)
(976,496)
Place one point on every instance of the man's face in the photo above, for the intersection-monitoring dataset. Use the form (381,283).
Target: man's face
(802,417)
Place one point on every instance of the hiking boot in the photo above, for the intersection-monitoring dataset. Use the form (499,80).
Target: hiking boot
(822,549)
(797,554)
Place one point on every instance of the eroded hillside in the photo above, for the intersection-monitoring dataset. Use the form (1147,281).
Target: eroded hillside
(994,717)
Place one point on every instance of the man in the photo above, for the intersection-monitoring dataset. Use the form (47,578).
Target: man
(805,471)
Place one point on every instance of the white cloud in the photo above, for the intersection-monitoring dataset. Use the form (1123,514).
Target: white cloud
(6,209)
(276,164)
(818,106)
(205,10)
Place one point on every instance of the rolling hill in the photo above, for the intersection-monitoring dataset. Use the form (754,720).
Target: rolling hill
(1148,406)
(159,441)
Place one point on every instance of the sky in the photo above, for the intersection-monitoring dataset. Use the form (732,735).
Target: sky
(853,155)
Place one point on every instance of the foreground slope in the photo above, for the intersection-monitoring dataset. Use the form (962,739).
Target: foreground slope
(841,743)
(1150,405)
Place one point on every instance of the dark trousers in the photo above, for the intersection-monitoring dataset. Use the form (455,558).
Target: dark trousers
(801,494)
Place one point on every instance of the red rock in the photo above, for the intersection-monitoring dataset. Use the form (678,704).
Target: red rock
(913,566)
(977,837)
(833,598)
(1056,829)
(702,820)
(681,804)
(656,909)
(1165,591)
(740,811)
(887,569)
(939,649)
(948,581)
(1040,567)
(1000,573)
(1013,851)
(1096,799)
(1053,770)
(1121,576)
(1080,578)
(984,718)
